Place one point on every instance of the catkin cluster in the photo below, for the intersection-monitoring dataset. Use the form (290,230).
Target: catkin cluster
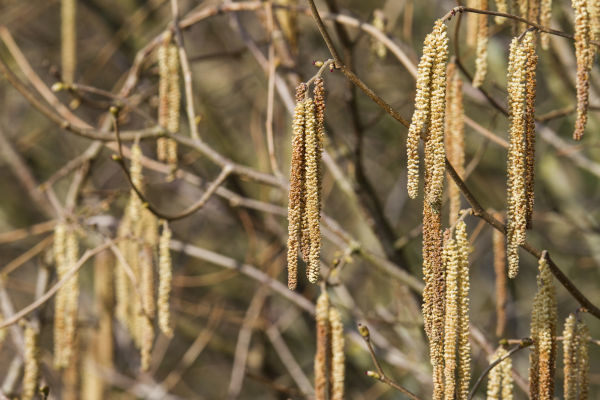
(304,206)
(585,59)
(169,97)
(500,380)
(134,282)
(31,362)
(521,100)
(454,136)
(576,359)
(481,62)
(429,113)
(543,333)
(66,255)
(329,357)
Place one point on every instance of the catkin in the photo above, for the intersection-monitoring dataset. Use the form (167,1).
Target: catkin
(530,92)
(464,345)
(68,25)
(296,200)
(584,56)
(533,10)
(169,97)
(594,12)
(321,369)
(319,99)
(500,382)
(543,334)
(501,6)
(452,266)
(481,62)
(545,16)
(338,358)
(31,362)
(472,23)
(312,191)
(420,115)
(516,219)
(583,364)
(576,361)
(165,276)
(454,137)
(500,278)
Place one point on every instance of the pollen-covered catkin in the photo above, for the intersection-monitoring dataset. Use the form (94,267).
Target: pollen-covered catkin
(296,194)
(163,95)
(464,345)
(543,333)
(169,96)
(31,362)
(594,12)
(584,56)
(319,99)
(500,278)
(421,114)
(481,62)
(583,362)
(500,382)
(434,146)
(530,93)
(68,25)
(338,358)
(165,276)
(312,191)
(454,137)
(502,7)
(452,266)
(516,218)
(545,16)
(576,359)
(321,369)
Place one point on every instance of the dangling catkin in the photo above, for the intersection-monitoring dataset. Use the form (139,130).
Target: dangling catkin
(321,369)
(507,379)
(516,219)
(533,10)
(543,334)
(31,362)
(481,62)
(502,7)
(319,99)
(472,23)
(584,56)
(454,137)
(68,25)
(452,266)
(296,194)
(165,275)
(530,92)
(500,382)
(434,146)
(312,191)
(421,114)
(163,95)
(576,362)
(338,359)
(594,12)
(500,278)
(545,17)
(583,364)
(464,345)
(169,97)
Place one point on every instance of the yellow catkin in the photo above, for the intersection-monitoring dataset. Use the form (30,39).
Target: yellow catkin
(454,137)
(312,191)
(530,93)
(464,345)
(163,95)
(434,146)
(59,247)
(165,275)
(533,10)
(571,351)
(319,99)
(377,47)
(321,369)
(135,170)
(31,362)
(516,219)
(500,278)
(501,6)
(296,194)
(452,266)
(481,62)
(420,115)
(545,17)
(123,290)
(584,56)
(507,379)
(149,236)
(472,23)
(68,25)
(338,359)
(147,339)
(543,334)
(174,96)
(583,362)
(594,12)
(494,386)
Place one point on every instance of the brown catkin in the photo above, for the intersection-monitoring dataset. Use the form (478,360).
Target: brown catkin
(68,25)
(321,368)
(338,359)
(543,334)
(454,137)
(296,194)
(420,115)
(165,276)
(530,92)
(500,278)
(434,146)
(481,62)
(312,191)
(584,56)
(533,10)
(452,266)
(545,16)
(464,345)
(319,99)
(516,218)
(31,362)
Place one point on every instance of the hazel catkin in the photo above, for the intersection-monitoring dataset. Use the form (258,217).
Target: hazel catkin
(584,57)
